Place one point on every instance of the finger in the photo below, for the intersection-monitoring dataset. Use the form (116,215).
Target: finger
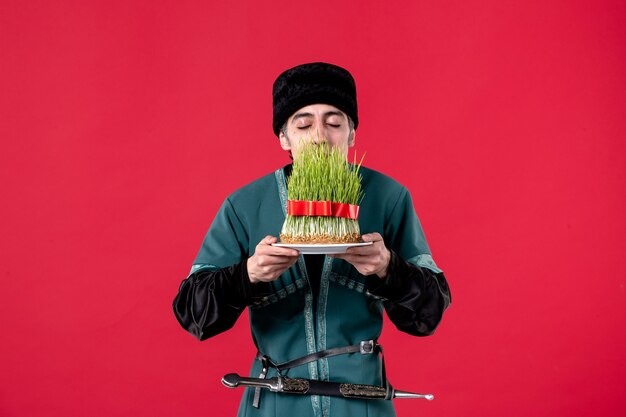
(371,237)
(369,250)
(284,260)
(280,268)
(350,258)
(362,250)
(351,253)
(275,261)
(277,251)
(268,240)
(273,269)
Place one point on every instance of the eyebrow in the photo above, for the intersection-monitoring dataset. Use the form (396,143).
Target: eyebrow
(326,114)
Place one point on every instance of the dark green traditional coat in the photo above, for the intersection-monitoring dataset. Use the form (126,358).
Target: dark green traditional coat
(288,320)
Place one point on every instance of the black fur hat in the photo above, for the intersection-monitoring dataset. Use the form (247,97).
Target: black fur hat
(314,83)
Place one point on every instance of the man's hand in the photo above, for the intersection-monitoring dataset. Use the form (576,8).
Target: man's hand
(371,259)
(268,262)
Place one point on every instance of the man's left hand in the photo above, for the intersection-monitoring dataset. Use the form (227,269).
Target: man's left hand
(370,259)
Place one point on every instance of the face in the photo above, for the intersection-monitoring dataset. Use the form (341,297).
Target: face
(315,123)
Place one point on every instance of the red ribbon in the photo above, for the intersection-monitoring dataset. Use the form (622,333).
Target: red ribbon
(322,208)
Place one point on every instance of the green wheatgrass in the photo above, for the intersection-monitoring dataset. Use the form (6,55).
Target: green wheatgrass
(322,173)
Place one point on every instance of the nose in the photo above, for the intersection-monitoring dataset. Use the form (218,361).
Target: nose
(319,132)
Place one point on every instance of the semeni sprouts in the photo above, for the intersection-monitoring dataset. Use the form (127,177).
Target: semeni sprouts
(321,173)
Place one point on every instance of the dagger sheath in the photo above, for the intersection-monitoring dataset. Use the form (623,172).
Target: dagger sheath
(312,387)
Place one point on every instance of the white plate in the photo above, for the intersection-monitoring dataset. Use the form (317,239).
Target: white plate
(320,249)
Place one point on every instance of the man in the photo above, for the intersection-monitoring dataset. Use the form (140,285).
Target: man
(314,317)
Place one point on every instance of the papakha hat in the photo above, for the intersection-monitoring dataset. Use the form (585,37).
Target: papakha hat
(313,83)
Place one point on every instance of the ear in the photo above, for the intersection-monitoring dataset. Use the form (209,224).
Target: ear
(284,141)
(351,138)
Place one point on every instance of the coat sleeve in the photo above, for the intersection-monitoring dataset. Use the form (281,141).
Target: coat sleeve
(210,301)
(415,290)
(415,297)
(213,296)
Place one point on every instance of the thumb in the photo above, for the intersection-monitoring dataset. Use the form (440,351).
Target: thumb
(269,240)
(371,237)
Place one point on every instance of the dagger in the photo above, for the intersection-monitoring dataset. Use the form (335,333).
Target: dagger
(312,387)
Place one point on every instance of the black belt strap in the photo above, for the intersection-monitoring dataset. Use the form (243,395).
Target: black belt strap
(365,347)
(257,391)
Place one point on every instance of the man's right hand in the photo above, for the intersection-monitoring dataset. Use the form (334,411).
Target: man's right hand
(268,261)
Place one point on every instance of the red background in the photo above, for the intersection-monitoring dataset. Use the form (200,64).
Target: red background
(125,124)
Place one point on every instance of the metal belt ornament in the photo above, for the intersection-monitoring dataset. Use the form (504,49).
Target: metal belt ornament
(322,208)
